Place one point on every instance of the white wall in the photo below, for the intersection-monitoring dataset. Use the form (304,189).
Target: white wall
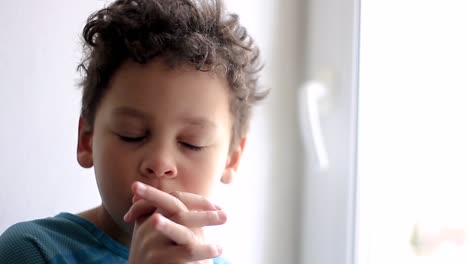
(39,110)
(39,51)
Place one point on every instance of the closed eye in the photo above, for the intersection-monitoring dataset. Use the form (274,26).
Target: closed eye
(131,139)
(191,147)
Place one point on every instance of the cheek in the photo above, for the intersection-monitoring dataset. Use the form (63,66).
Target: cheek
(202,176)
(106,158)
(110,154)
(112,170)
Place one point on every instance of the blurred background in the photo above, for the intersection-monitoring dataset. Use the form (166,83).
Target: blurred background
(357,156)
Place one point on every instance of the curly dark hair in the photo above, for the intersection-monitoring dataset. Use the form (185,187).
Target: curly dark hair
(195,32)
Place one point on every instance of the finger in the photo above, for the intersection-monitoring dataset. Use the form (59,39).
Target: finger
(195,201)
(135,198)
(193,219)
(194,253)
(140,208)
(162,200)
(178,233)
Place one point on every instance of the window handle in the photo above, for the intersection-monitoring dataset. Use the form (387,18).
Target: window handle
(313,97)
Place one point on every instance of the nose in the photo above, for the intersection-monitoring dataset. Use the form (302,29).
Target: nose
(158,163)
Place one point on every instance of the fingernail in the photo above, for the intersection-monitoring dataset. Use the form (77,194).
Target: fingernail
(219,249)
(221,216)
(218,207)
(140,188)
(125,218)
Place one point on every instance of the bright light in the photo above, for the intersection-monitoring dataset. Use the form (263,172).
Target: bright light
(413,132)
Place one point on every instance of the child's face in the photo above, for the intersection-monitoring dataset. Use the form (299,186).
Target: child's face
(167,128)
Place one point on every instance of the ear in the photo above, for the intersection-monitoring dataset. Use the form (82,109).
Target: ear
(233,161)
(84,152)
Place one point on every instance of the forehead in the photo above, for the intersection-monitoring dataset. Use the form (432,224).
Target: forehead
(158,90)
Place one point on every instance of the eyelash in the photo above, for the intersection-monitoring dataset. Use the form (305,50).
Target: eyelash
(139,139)
(131,139)
(192,147)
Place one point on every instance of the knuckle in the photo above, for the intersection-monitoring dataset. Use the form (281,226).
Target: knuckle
(178,218)
(212,251)
(156,220)
(178,205)
(191,252)
(192,239)
(176,194)
(215,217)
(212,217)
(205,201)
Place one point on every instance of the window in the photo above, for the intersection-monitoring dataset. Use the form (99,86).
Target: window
(413,129)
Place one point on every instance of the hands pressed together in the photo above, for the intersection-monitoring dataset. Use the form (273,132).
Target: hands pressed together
(168,227)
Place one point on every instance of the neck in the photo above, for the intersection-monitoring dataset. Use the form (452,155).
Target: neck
(102,219)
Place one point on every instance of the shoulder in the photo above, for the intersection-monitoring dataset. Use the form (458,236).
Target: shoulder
(65,238)
(40,240)
(51,230)
(220,260)
(19,244)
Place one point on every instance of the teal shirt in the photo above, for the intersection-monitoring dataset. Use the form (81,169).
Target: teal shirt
(65,238)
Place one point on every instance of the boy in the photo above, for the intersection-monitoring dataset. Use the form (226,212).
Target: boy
(168,89)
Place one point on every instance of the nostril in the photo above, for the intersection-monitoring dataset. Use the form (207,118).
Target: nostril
(169,173)
(152,172)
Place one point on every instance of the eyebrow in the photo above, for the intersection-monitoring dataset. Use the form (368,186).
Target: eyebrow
(198,121)
(128,111)
(190,120)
